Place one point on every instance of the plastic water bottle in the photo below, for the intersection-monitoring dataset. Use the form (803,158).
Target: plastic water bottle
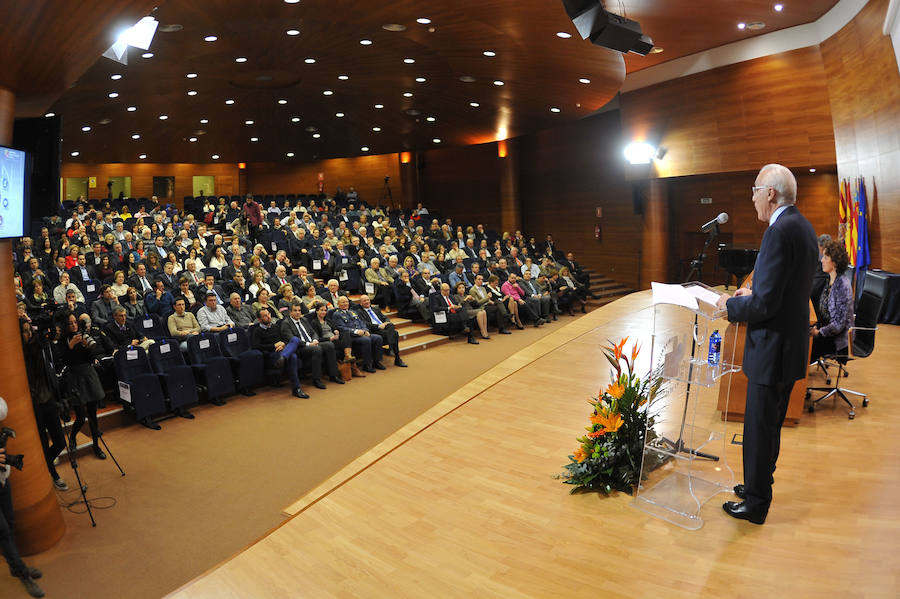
(715,348)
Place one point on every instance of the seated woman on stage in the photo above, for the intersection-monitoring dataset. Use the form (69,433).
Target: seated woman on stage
(829,334)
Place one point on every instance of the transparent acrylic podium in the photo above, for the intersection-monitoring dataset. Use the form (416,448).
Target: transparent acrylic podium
(684,461)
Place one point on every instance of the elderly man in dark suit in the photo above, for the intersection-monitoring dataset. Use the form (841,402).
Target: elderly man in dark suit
(377,322)
(776,353)
(310,348)
(365,344)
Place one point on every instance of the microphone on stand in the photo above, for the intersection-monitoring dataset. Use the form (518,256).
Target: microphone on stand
(719,220)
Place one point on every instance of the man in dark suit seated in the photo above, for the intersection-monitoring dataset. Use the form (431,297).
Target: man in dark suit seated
(410,302)
(447,317)
(280,278)
(82,272)
(310,348)
(376,322)
(237,264)
(576,270)
(159,301)
(332,293)
(168,278)
(239,285)
(122,333)
(366,345)
(102,308)
(777,348)
(140,281)
(209,286)
(265,336)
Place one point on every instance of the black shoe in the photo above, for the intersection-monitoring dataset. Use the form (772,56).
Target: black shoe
(184,413)
(31,586)
(33,572)
(336,379)
(538,323)
(318,384)
(248,392)
(99,452)
(399,362)
(740,491)
(279,363)
(218,401)
(520,326)
(368,369)
(504,332)
(473,341)
(741,511)
(150,424)
(554,317)
(583,311)
(298,392)
(379,366)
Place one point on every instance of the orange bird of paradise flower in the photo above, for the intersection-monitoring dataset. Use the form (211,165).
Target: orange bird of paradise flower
(616,390)
(580,455)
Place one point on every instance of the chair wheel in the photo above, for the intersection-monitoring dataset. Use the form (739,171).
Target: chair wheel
(827,381)
(811,409)
(865,402)
(851,416)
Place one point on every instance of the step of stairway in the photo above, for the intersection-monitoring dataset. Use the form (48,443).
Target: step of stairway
(422,342)
(413,331)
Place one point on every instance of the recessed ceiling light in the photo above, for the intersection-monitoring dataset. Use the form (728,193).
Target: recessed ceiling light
(339,115)
(779,7)
(291,1)
(310,60)
(105,121)
(436,140)
(86,128)
(756,25)
(142,156)
(365,42)
(327,92)
(584,80)
(423,21)
(115,77)
(657,50)
(474,104)
(192,92)
(147,55)
(163,117)
(215,156)
(204,121)
(343,77)
(564,35)
(248,122)
(254,139)
(136,136)
(489,53)
(50,114)
(407,94)
(554,109)
(191,75)
(192,139)
(76,153)
(430,119)
(290,154)
(131,108)
(379,106)
(812,170)
(409,60)
(393,27)
(113,94)
(317,135)
(467,79)
(295,119)
(293,32)
(742,26)
(498,82)
(376,129)
(240,59)
(365,148)
(210,38)
(229,101)
(282,101)
(420,79)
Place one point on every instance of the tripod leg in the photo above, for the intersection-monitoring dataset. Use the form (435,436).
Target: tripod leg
(102,440)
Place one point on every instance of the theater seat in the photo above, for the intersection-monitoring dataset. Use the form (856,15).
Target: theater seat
(144,392)
(247,364)
(214,369)
(177,377)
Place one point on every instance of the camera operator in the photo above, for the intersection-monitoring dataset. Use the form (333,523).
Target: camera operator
(78,354)
(7,536)
(38,350)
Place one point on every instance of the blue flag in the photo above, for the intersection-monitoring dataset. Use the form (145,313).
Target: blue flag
(863,259)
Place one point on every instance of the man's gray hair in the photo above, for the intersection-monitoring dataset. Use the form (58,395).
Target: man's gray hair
(782,180)
(118,310)
(823,239)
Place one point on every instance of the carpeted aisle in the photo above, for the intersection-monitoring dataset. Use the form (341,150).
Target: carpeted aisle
(201,490)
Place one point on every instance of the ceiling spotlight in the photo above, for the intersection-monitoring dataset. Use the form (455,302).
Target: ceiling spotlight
(756,25)
(467,79)
(343,77)
(489,53)
(365,42)
(115,77)
(327,92)
(584,80)
(295,119)
(147,55)
(282,101)
(290,154)
(379,106)
(316,135)
(339,115)
(142,156)
(498,82)
(430,119)
(474,104)
(192,92)
(291,1)
(365,148)
(293,32)
(395,27)
(779,7)
(657,50)
(192,140)
(105,121)
(163,117)
(131,108)
(639,153)
(74,154)
(423,21)
(742,26)
(50,115)
(376,129)
(407,94)
(248,122)
(254,139)
(136,136)
(240,59)
(310,61)
(86,128)
(215,156)
(191,75)
(113,94)
(564,35)
(812,170)
(229,101)
(204,121)
(210,38)
(554,109)
(436,140)
(420,79)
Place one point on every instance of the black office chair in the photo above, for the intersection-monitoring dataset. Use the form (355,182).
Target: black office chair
(861,341)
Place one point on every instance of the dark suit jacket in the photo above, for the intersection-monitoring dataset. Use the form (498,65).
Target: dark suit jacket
(777,312)
(117,337)
(135,282)
(75,274)
(364,316)
(289,330)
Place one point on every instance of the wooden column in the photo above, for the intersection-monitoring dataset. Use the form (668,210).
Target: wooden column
(38,520)
(655,233)
(510,203)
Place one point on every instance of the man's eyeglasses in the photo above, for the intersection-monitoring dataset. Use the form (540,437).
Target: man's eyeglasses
(757,187)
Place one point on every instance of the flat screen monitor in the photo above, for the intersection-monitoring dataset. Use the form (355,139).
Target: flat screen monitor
(14,177)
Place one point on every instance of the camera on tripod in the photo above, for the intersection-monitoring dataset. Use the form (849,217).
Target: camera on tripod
(14,460)
(89,341)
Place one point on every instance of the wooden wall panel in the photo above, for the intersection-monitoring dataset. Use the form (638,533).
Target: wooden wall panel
(864,90)
(365,173)
(462,183)
(738,117)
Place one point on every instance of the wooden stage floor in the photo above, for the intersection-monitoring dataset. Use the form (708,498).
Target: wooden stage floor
(462,502)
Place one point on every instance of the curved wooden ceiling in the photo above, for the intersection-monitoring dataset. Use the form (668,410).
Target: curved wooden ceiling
(539,71)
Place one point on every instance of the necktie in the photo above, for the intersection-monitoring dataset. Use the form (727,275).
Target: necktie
(303,334)
(374,318)
(414,294)
(450,304)
(145,284)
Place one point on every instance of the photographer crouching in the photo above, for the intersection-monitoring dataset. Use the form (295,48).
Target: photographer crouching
(17,567)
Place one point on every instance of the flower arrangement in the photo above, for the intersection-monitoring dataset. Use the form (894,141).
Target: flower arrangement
(609,455)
